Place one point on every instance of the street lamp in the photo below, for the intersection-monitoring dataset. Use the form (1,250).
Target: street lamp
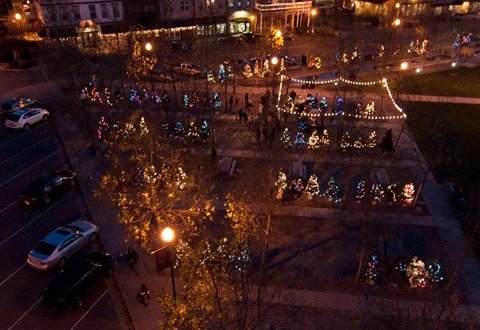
(18,16)
(278,34)
(148,47)
(404,66)
(274,62)
(168,235)
(397,5)
(397,22)
(314,12)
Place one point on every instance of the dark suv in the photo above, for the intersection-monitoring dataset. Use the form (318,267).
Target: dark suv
(70,287)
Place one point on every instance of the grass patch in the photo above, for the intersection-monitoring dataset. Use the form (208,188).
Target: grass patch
(457,82)
(447,135)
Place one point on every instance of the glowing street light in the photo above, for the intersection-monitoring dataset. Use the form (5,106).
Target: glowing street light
(252,17)
(404,66)
(454,64)
(148,47)
(18,16)
(274,60)
(397,5)
(278,34)
(314,12)
(168,235)
(397,22)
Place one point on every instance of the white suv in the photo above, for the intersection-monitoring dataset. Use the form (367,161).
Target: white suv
(26,117)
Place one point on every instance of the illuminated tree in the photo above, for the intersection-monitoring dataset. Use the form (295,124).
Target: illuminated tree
(139,63)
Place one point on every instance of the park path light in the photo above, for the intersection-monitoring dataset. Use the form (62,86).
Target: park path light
(148,47)
(314,12)
(18,16)
(278,34)
(168,235)
(397,22)
(274,60)
(404,66)
(397,5)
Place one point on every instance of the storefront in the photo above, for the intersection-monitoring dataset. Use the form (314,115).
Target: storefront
(240,22)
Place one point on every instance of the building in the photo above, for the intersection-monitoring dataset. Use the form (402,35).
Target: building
(5,7)
(69,17)
(282,14)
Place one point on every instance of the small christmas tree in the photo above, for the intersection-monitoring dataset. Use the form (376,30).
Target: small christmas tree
(217,103)
(300,139)
(281,182)
(204,130)
(257,70)
(346,141)
(179,130)
(286,138)
(434,273)
(297,185)
(408,194)
(266,66)
(102,128)
(312,188)
(391,193)
(222,74)
(358,144)
(192,131)
(186,101)
(247,72)
(333,191)
(314,141)
(325,139)
(372,272)
(416,274)
(377,193)
(387,141)
(369,109)
(361,190)
(372,140)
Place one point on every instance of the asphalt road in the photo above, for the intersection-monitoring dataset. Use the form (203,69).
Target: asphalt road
(25,155)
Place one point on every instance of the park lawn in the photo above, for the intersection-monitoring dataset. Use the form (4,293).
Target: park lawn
(447,135)
(458,82)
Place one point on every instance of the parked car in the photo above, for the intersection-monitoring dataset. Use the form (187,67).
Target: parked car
(188,69)
(159,75)
(17,103)
(47,187)
(26,118)
(55,248)
(69,288)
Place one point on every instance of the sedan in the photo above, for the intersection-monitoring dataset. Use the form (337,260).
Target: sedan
(25,118)
(46,187)
(17,103)
(69,288)
(55,248)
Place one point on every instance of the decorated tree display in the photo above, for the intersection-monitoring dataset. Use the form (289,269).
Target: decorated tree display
(408,194)
(186,101)
(369,109)
(377,192)
(312,188)
(333,191)
(297,185)
(102,128)
(257,70)
(416,273)
(140,64)
(391,193)
(360,190)
(286,138)
(217,103)
(266,66)
(300,139)
(204,130)
(323,104)
(434,271)
(281,184)
(314,141)
(346,141)
(179,130)
(192,131)
(372,140)
(372,272)
(181,179)
(222,73)
(325,139)
(247,72)
(358,143)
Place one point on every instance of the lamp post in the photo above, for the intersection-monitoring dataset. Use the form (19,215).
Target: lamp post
(148,47)
(274,62)
(168,235)
(313,13)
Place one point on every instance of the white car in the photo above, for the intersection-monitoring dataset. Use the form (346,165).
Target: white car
(26,118)
(55,248)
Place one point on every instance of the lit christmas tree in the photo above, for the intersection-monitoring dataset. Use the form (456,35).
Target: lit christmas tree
(416,274)
(102,128)
(300,139)
(312,188)
(179,130)
(323,103)
(181,179)
(186,101)
(282,66)
(361,190)
(408,193)
(216,101)
(192,131)
(391,193)
(257,70)
(108,97)
(204,130)
(358,144)
(297,185)
(314,141)
(222,74)
(289,106)
(434,273)
(281,182)
(369,109)
(372,140)
(377,192)
(372,272)
(266,66)
(286,138)
(303,124)
(346,141)
(325,139)
(333,191)
(247,72)
(133,96)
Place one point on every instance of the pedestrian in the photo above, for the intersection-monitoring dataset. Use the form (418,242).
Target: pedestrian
(230,102)
(246,99)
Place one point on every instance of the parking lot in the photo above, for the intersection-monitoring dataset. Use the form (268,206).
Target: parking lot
(25,155)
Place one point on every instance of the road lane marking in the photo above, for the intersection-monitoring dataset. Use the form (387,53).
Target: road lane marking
(10,205)
(30,147)
(28,169)
(88,310)
(12,274)
(25,314)
(34,219)
(20,136)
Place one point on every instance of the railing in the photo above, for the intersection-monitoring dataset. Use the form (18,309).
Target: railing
(284,6)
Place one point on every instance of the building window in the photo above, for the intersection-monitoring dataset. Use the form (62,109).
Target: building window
(52,14)
(104,9)
(230,3)
(64,14)
(184,5)
(239,3)
(116,12)
(93,11)
(76,13)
